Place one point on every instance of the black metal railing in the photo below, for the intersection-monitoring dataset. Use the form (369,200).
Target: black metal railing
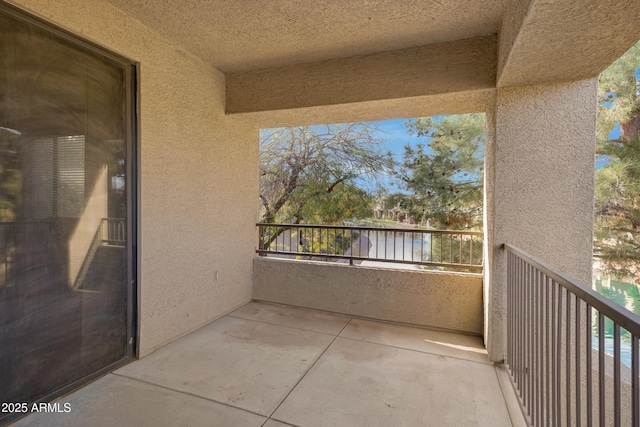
(556,327)
(111,231)
(115,230)
(8,244)
(437,248)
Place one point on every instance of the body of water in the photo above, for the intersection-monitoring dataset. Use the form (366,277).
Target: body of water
(624,294)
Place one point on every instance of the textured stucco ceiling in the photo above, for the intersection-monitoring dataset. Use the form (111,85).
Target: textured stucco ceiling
(241,35)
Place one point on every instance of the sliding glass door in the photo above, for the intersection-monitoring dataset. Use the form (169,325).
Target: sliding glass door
(66,181)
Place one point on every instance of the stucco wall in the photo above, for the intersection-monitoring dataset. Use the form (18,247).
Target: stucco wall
(488,224)
(543,152)
(544,41)
(196,233)
(435,299)
(512,22)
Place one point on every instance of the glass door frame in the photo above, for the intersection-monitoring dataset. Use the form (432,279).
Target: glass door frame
(132,114)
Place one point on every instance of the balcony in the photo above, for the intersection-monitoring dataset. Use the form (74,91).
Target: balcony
(271,365)
(389,283)
(209,78)
(268,364)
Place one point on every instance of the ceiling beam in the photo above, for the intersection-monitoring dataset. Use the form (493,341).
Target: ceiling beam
(460,66)
(474,101)
(547,41)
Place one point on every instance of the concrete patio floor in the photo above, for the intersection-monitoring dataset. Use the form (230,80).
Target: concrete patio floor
(268,365)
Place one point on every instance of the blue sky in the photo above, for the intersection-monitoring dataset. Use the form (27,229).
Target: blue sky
(395,132)
(615,133)
(603,160)
(397,137)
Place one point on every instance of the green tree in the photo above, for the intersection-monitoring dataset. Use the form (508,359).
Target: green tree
(314,174)
(617,201)
(10,176)
(444,181)
(345,201)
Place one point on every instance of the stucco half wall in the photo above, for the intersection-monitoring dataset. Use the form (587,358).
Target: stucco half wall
(444,300)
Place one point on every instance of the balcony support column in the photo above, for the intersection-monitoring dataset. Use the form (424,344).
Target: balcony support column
(539,176)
